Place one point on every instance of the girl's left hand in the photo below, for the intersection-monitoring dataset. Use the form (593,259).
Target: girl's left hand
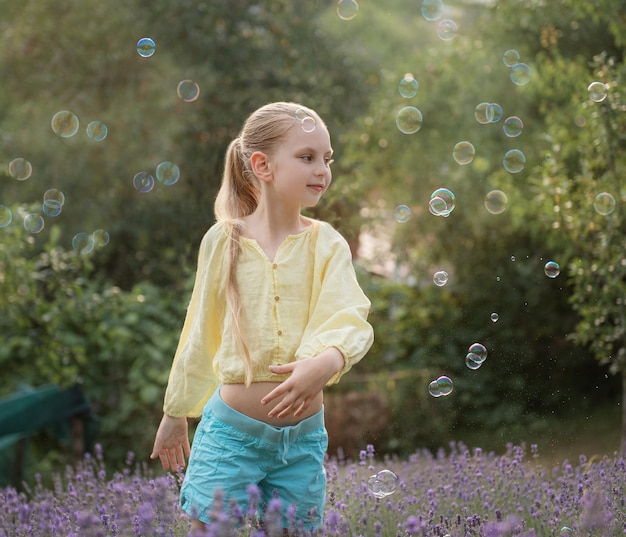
(307,379)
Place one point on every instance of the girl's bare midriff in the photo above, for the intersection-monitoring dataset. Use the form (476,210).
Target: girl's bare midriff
(247,400)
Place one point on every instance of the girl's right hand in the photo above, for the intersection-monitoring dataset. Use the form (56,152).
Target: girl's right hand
(171,444)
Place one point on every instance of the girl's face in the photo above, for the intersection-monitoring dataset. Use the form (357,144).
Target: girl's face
(301,167)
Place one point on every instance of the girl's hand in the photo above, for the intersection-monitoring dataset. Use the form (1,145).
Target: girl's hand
(307,379)
(171,444)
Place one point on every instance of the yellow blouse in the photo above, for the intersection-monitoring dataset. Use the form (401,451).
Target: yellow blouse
(305,301)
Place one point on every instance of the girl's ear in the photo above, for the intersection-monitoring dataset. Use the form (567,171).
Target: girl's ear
(260,165)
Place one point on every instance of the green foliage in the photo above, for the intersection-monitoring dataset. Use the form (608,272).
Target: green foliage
(61,325)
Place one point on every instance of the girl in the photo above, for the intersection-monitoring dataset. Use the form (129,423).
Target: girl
(276,314)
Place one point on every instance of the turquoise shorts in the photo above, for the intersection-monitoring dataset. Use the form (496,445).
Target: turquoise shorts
(232,451)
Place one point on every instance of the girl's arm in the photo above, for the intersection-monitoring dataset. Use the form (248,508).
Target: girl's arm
(307,378)
(171,444)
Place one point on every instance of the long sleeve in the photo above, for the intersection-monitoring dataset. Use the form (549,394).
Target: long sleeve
(192,378)
(339,308)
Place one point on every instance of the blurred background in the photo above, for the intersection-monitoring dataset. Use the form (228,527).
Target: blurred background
(111,151)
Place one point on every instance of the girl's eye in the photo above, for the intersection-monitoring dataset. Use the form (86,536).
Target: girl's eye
(307,158)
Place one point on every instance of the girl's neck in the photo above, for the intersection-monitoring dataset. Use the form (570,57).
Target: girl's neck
(275,224)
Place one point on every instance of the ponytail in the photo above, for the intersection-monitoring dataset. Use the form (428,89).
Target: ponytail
(236,198)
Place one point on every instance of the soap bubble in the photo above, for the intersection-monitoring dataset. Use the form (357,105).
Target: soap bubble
(511,57)
(188,90)
(97,131)
(552,269)
(520,74)
(408,86)
(514,161)
(481,113)
(65,124)
(597,91)
(402,213)
(432,10)
(146,47)
(83,243)
(463,153)
(495,201)
(409,120)
(143,182)
(604,203)
(308,124)
(20,169)
(440,387)
(494,317)
(440,278)
(513,126)
(53,201)
(442,202)
(347,9)
(6,216)
(494,112)
(566,531)
(382,484)
(446,30)
(167,173)
(476,355)
(100,238)
(33,223)
(479,350)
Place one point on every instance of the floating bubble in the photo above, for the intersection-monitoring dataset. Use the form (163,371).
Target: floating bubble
(511,57)
(301,113)
(552,269)
(494,112)
(494,317)
(83,243)
(442,202)
(308,124)
(495,202)
(33,223)
(402,213)
(65,124)
(566,531)
(446,30)
(463,153)
(604,203)
(408,86)
(471,361)
(188,91)
(514,161)
(520,74)
(440,387)
(146,47)
(445,385)
(97,131)
(382,484)
(6,216)
(597,91)
(432,10)
(409,120)
(479,350)
(143,182)
(440,278)
(100,238)
(167,173)
(20,169)
(52,208)
(513,126)
(481,113)
(54,194)
(347,9)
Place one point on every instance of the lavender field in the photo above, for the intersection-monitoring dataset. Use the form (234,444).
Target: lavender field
(456,492)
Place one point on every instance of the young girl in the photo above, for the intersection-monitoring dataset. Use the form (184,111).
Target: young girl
(276,314)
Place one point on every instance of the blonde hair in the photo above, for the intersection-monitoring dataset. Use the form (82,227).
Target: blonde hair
(264,130)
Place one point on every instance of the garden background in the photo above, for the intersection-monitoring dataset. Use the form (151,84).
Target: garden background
(96,297)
